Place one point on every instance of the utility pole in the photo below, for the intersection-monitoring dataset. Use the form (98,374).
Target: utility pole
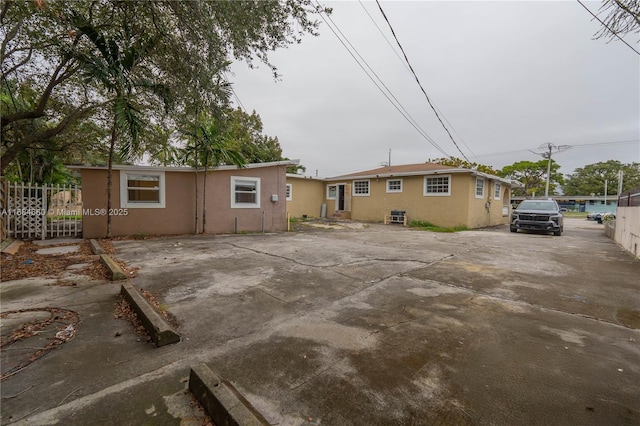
(549,148)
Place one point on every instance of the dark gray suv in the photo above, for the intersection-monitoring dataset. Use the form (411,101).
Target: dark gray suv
(538,215)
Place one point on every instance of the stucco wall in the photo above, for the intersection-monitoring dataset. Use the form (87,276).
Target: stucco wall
(487,211)
(221,217)
(459,208)
(627,231)
(307,197)
(176,218)
(178,215)
(441,210)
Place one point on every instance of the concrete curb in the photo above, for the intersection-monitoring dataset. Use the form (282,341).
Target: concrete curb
(11,247)
(221,400)
(96,247)
(115,271)
(160,331)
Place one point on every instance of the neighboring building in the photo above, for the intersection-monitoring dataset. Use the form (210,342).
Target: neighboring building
(304,196)
(161,200)
(581,203)
(442,195)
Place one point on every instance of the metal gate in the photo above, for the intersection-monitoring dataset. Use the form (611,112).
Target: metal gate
(43,211)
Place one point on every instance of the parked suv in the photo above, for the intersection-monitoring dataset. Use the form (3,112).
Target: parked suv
(538,215)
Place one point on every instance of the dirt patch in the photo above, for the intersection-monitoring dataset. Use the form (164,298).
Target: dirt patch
(26,263)
(629,318)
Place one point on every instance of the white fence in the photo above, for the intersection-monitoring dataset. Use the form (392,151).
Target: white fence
(43,211)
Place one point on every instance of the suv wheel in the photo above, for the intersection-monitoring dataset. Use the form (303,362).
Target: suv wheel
(512,229)
(557,233)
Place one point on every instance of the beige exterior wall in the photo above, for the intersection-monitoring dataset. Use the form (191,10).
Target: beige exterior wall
(222,217)
(178,214)
(460,208)
(307,196)
(488,211)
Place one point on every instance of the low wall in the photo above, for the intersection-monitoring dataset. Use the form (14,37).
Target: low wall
(627,230)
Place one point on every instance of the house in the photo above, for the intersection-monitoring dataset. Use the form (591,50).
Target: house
(443,195)
(162,200)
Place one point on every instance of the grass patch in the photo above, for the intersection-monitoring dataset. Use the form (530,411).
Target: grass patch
(428,226)
(298,219)
(575,214)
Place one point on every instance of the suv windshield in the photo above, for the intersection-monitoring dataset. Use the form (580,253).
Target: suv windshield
(538,205)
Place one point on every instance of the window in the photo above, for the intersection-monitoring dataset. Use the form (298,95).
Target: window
(361,187)
(332,190)
(245,192)
(479,187)
(394,185)
(437,185)
(496,191)
(289,192)
(142,190)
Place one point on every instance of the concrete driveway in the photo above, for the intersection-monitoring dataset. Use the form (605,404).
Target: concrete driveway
(368,325)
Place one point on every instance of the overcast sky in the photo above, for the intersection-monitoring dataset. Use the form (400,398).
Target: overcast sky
(507,76)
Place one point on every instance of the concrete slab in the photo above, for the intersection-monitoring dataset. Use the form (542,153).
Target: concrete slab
(59,250)
(57,241)
(378,325)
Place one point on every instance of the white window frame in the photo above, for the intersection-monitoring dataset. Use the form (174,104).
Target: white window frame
(335,185)
(436,194)
(289,192)
(124,190)
(497,189)
(236,205)
(353,190)
(394,190)
(478,180)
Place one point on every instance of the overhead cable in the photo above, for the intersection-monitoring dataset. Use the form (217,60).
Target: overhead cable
(397,105)
(607,27)
(420,84)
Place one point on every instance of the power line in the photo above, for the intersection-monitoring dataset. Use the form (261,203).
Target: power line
(235,95)
(574,146)
(384,85)
(384,36)
(409,69)
(607,27)
(397,105)
(418,81)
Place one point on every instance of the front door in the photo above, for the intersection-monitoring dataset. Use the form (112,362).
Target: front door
(340,197)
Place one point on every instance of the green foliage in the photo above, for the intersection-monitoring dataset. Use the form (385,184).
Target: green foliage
(210,145)
(428,226)
(245,133)
(463,164)
(533,174)
(590,178)
(75,58)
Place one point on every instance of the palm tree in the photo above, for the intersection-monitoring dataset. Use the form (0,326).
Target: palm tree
(210,146)
(114,67)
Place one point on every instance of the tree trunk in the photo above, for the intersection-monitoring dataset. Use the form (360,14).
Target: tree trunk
(112,145)
(196,229)
(204,199)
